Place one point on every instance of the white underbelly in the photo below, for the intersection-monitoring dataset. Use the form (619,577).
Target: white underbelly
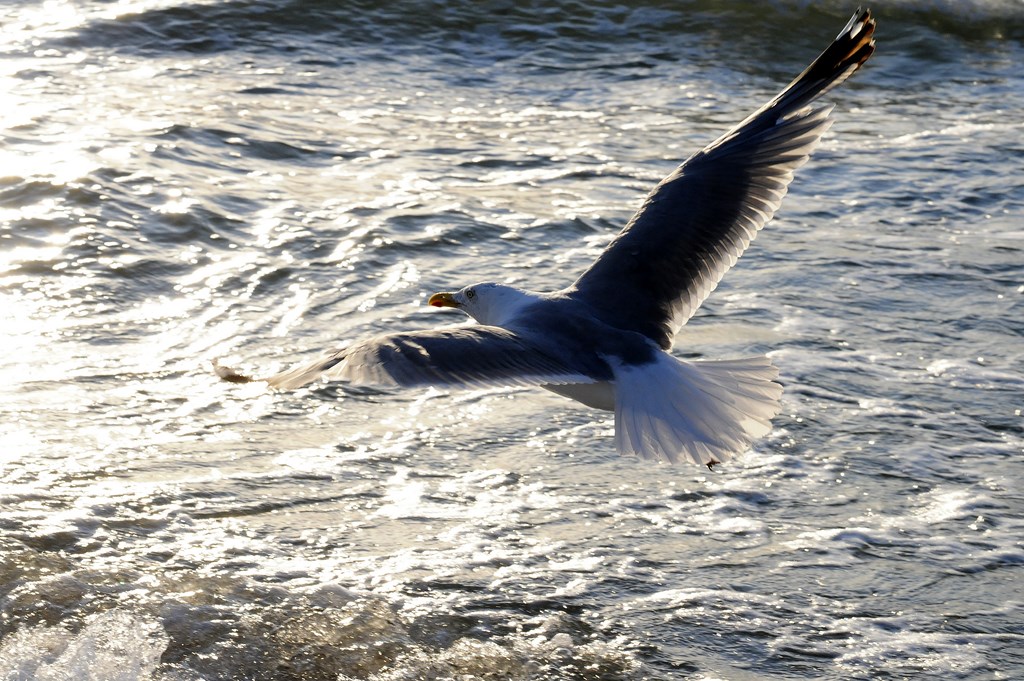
(597,395)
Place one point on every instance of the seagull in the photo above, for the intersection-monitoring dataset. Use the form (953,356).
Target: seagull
(605,340)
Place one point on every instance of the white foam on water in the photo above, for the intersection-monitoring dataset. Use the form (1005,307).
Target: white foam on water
(905,645)
(516,658)
(113,646)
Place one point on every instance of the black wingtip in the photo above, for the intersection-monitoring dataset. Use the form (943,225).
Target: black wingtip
(851,48)
(840,60)
(230,375)
(862,29)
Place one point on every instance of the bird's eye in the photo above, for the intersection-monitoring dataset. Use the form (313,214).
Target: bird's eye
(471,294)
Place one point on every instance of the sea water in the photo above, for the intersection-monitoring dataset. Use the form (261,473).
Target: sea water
(260,181)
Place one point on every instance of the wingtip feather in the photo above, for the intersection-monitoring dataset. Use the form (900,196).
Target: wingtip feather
(230,375)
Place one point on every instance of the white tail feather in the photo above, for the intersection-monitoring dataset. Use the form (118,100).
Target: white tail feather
(702,411)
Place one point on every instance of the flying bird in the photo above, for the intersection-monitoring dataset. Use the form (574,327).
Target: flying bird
(605,339)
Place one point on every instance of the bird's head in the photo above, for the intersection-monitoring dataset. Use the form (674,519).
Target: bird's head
(488,303)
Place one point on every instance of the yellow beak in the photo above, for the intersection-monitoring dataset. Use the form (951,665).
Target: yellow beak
(443,300)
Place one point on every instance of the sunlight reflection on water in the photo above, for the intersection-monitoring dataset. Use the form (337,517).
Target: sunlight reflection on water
(174,195)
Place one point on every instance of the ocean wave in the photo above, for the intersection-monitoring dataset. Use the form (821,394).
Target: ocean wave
(302,26)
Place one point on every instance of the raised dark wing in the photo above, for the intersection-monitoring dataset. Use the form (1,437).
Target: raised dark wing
(696,223)
(458,356)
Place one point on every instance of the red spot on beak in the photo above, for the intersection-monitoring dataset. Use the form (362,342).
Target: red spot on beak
(442,300)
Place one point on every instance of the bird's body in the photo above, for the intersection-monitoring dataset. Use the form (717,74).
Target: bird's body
(605,339)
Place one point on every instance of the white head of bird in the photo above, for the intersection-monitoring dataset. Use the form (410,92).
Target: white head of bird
(488,303)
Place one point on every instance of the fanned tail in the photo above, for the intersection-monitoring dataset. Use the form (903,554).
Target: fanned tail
(704,412)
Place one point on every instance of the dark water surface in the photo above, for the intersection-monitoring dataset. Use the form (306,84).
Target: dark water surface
(261,180)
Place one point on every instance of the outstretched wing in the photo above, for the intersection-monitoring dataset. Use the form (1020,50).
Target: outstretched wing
(696,223)
(459,356)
